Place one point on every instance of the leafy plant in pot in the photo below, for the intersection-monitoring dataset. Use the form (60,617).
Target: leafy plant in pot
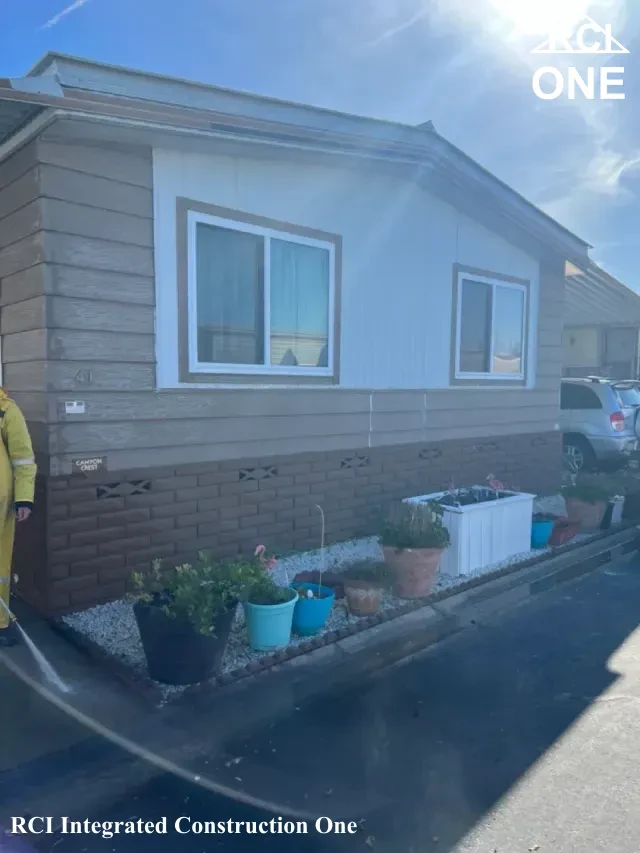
(413,538)
(184,616)
(586,498)
(268,607)
(315,601)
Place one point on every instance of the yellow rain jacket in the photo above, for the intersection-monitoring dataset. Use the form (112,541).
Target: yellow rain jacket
(17,485)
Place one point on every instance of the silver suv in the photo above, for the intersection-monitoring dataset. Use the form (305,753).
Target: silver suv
(599,421)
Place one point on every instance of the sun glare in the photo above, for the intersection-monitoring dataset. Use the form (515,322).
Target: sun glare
(530,17)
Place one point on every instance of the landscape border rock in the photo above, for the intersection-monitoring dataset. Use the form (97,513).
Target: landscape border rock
(574,557)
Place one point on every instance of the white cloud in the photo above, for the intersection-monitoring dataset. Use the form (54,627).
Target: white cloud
(66,11)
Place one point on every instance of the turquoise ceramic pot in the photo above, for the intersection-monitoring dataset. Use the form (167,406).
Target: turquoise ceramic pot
(541,533)
(269,625)
(311,614)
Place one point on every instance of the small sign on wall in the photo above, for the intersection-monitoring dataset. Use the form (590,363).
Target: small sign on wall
(74,407)
(89,465)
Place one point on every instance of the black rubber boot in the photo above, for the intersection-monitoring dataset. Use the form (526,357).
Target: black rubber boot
(8,637)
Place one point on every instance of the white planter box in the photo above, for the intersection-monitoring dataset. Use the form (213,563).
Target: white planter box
(485,533)
(618,509)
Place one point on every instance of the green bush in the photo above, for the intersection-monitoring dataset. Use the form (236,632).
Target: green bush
(198,592)
(590,488)
(372,572)
(201,591)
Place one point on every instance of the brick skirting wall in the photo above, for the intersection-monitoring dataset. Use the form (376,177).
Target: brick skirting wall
(89,534)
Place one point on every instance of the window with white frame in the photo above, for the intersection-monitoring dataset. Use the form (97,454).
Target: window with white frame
(491,328)
(260,300)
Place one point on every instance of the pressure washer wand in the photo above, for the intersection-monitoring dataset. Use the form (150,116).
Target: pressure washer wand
(11,616)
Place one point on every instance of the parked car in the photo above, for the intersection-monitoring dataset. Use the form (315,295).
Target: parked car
(599,421)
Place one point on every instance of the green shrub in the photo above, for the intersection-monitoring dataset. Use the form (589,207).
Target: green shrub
(198,592)
(201,591)
(372,572)
(590,488)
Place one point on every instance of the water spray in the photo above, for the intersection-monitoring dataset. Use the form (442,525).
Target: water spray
(12,616)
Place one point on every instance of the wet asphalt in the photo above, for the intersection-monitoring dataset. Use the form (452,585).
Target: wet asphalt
(520,734)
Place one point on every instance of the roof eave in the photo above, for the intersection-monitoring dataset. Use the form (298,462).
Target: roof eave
(424,150)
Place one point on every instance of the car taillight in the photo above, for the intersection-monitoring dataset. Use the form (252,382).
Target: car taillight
(617,421)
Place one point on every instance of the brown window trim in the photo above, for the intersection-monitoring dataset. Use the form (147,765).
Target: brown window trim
(487,383)
(183,207)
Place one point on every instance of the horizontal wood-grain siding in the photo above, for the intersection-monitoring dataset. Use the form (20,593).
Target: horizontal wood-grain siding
(98,284)
(90,346)
(22,254)
(22,283)
(86,221)
(90,279)
(19,193)
(25,346)
(97,315)
(25,375)
(23,316)
(99,376)
(97,221)
(21,223)
(25,284)
(105,193)
(166,426)
(91,253)
(18,164)
(189,405)
(121,166)
(123,435)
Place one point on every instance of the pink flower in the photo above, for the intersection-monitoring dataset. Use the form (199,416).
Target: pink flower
(493,483)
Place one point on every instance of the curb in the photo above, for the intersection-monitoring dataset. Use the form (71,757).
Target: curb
(573,557)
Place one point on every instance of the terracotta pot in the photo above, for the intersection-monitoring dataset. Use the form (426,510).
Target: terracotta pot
(588,515)
(413,570)
(563,531)
(363,597)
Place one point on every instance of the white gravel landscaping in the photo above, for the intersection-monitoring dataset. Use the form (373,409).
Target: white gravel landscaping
(113,626)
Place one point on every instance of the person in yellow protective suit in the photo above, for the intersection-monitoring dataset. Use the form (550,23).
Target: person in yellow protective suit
(17,486)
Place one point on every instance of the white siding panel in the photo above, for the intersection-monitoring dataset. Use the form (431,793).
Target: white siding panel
(399,247)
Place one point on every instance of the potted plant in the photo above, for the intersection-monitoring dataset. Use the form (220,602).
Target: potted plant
(364,585)
(541,529)
(413,539)
(487,524)
(268,608)
(184,616)
(314,602)
(586,498)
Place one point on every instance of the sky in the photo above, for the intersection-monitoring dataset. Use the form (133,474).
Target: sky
(464,64)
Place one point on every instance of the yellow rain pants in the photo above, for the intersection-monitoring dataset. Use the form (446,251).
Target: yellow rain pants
(17,486)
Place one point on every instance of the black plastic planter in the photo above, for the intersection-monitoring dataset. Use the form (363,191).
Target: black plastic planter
(176,653)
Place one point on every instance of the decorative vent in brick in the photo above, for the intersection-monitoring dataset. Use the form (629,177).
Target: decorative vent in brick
(265,473)
(538,441)
(485,448)
(430,453)
(356,461)
(124,489)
